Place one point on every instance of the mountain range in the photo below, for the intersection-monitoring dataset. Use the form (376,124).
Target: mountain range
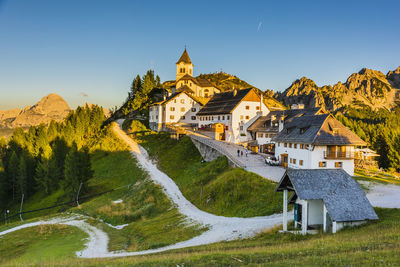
(366,88)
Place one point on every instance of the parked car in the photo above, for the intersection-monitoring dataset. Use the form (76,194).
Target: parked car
(272,161)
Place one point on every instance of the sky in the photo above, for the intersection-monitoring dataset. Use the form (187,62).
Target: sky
(90,50)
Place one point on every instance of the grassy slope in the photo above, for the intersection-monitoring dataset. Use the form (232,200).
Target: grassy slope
(376,177)
(212,186)
(376,243)
(41,244)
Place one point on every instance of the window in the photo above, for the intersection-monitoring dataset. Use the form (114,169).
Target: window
(241,117)
(227,117)
(257,108)
(182,109)
(174,100)
(290,145)
(193,109)
(241,128)
(206,93)
(190,84)
(285,144)
(247,107)
(339,164)
(171,117)
(294,161)
(291,161)
(301,162)
(260,135)
(294,145)
(279,144)
(306,146)
(183,101)
(193,118)
(247,117)
(219,117)
(223,118)
(190,71)
(322,164)
(172,109)
(156,117)
(301,146)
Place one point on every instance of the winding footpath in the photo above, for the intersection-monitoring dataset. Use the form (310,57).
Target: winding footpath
(220,228)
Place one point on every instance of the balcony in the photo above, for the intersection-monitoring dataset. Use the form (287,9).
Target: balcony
(338,155)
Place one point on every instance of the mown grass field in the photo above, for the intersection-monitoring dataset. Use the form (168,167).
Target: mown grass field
(374,244)
(41,244)
(212,186)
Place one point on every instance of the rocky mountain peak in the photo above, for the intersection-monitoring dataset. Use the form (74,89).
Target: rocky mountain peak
(393,77)
(50,107)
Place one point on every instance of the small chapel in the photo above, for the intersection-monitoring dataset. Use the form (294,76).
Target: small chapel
(185,82)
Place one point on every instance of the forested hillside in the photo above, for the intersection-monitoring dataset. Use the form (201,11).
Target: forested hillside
(55,157)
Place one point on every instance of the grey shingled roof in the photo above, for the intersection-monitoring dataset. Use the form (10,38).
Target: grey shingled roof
(263,123)
(341,194)
(317,130)
(223,103)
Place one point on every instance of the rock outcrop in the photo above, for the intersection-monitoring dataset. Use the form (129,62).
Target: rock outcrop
(367,87)
(51,107)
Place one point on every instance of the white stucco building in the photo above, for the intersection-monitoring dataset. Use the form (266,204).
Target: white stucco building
(179,108)
(316,142)
(236,109)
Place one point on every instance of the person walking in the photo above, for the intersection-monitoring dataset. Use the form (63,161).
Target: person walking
(238,151)
(247,152)
(241,153)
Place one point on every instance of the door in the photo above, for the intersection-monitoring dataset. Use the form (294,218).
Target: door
(284,158)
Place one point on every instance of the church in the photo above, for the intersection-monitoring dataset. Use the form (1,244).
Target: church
(185,81)
(186,97)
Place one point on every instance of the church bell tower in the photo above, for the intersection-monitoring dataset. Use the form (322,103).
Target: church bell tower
(184,66)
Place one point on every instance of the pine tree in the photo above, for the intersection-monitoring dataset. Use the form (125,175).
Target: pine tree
(12,168)
(42,176)
(22,177)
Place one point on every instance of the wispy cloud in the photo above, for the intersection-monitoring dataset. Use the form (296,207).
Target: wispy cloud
(84,94)
(259,26)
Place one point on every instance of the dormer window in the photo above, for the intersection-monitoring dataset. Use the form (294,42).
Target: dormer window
(303,130)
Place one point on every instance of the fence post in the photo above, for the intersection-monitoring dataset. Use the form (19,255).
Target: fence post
(77,196)
(20,210)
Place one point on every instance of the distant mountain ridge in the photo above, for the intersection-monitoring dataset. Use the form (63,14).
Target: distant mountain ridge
(365,88)
(50,107)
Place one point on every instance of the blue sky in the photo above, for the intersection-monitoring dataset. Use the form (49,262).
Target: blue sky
(91,50)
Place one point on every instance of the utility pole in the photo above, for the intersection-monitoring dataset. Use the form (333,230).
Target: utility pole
(20,210)
(77,196)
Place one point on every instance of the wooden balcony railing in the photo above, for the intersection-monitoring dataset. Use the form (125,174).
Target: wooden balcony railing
(338,155)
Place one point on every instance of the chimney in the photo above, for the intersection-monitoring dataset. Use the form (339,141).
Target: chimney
(281,123)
